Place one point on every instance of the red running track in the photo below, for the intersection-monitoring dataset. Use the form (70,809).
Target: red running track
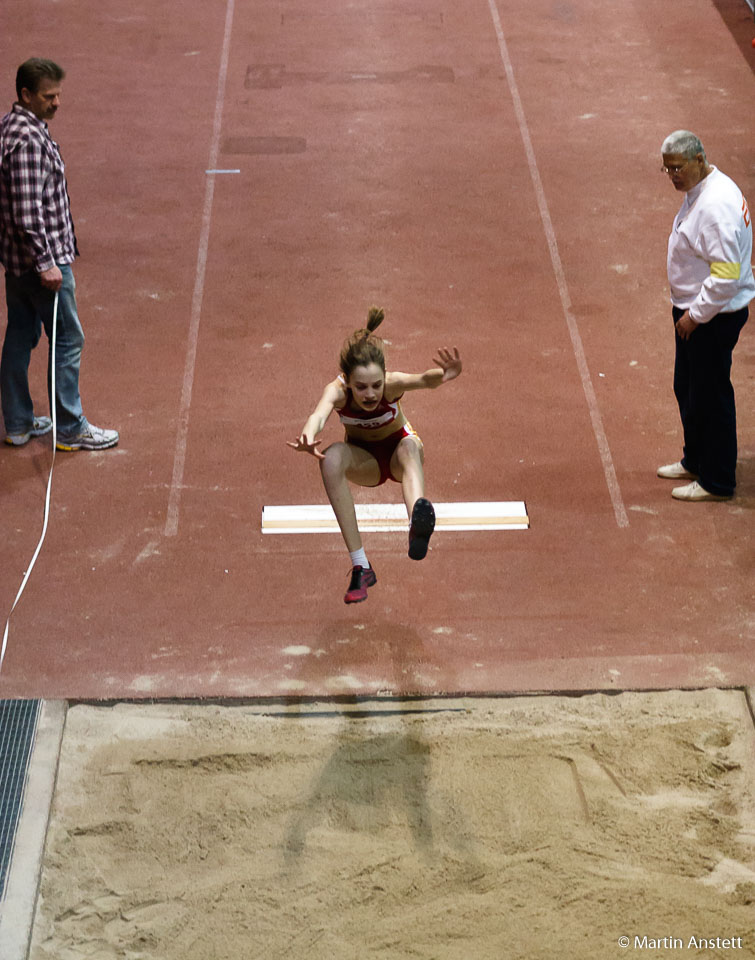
(488,171)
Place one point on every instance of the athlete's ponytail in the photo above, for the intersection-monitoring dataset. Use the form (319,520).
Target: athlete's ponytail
(375,317)
(363,347)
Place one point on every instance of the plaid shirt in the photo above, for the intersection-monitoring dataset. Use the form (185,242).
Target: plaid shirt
(36,229)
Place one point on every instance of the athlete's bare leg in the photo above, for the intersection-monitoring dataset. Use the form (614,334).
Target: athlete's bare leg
(407,466)
(343,463)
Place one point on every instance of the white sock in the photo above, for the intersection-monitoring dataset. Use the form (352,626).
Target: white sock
(359,559)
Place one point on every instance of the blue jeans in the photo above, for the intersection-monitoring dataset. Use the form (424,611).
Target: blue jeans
(704,392)
(30,307)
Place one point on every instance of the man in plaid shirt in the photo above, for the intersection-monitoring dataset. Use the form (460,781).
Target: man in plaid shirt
(37,248)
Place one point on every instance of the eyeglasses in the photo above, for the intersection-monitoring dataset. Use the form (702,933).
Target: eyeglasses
(672,170)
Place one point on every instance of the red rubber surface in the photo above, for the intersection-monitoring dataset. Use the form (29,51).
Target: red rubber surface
(382,161)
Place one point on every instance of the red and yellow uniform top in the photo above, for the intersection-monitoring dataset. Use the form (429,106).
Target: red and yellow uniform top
(369,426)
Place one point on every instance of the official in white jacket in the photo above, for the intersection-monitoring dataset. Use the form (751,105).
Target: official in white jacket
(711,280)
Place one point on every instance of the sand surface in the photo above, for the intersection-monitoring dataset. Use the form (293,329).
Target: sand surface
(490,829)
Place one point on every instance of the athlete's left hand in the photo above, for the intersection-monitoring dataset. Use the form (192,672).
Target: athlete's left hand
(449,362)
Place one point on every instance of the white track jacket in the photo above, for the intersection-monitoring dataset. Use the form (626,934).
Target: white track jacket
(710,250)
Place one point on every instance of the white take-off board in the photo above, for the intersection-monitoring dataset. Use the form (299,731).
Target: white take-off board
(390,517)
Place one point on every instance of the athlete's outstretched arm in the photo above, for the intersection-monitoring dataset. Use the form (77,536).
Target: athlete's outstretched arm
(448,368)
(306,442)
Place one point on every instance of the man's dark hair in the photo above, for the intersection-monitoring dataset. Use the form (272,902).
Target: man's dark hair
(34,71)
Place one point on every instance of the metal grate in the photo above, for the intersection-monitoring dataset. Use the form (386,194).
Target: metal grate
(18,724)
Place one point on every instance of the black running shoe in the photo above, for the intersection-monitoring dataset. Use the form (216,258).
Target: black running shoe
(421,528)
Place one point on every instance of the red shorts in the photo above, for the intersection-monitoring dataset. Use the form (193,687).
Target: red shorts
(383,450)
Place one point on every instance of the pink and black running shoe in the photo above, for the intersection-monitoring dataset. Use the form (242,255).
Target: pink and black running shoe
(360,580)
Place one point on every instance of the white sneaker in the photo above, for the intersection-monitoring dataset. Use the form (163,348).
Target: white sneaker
(93,438)
(675,471)
(39,428)
(694,492)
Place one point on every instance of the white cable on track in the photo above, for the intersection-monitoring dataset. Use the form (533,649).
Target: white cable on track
(54,405)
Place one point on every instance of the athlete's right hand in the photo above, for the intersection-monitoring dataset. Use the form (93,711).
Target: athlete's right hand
(305,445)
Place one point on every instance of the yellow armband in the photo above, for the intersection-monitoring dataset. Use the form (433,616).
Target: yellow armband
(725,271)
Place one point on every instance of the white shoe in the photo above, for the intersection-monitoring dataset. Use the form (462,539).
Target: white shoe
(39,428)
(694,492)
(675,471)
(93,438)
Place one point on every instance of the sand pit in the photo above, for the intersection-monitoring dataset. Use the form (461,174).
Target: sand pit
(452,830)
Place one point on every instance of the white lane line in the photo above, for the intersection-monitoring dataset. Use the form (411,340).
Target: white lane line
(179,459)
(222,171)
(622,518)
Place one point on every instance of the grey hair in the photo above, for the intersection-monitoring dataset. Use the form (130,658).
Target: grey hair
(684,143)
